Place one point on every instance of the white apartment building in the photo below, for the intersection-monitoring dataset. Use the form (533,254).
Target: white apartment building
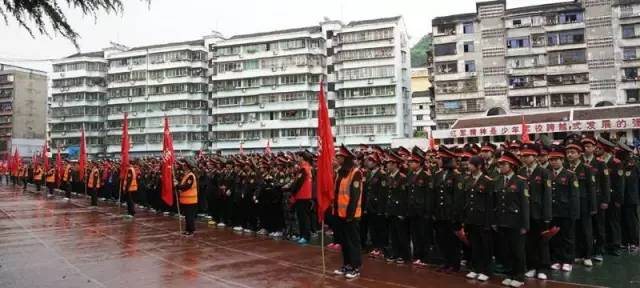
(152,82)
(264,86)
(79,100)
(532,59)
(422,105)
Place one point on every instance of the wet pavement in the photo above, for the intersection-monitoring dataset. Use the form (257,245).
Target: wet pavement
(55,243)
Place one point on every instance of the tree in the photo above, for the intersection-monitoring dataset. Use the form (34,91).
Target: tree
(419,52)
(45,13)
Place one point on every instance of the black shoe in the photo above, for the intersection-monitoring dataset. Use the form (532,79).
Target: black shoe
(352,273)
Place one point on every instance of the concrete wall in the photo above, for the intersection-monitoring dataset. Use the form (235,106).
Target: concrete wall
(29,105)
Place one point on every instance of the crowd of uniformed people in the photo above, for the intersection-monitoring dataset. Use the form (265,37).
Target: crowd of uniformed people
(518,210)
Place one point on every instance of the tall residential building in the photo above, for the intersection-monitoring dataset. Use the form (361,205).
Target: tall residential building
(23,109)
(422,104)
(532,59)
(152,82)
(79,100)
(264,85)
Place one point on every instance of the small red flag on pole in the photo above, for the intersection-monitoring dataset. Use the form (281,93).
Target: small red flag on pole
(525,131)
(83,154)
(168,159)
(124,151)
(267,150)
(45,157)
(58,167)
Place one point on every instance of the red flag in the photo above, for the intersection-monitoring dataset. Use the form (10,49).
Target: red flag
(325,185)
(432,143)
(83,154)
(17,162)
(45,157)
(168,159)
(124,151)
(58,167)
(267,150)
(525,131)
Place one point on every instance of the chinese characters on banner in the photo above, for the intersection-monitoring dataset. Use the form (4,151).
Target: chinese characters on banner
(583,125)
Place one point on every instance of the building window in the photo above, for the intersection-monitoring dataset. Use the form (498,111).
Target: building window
(469,66)
(567,79)
(528,81)
(516,22)
(447,29)
(630,74)
(468,47)
(445,49)
(633,96)
(460,106)
(629,53)
(570,99)
(565,37)
(419,117)
(521,42)
(528,102)
(567,57)
(467,28)
(628,31)
(447,67)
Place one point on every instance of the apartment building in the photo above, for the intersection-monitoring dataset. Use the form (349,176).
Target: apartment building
(532,59)
(422,104)
(23,109)
(149,83)
(264,85)
(78,100)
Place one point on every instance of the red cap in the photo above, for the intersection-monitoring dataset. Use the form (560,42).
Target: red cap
(344,152)
(393,157)
(510,158)
(529,149)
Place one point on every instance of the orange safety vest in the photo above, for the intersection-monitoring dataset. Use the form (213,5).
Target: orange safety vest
(37,175)
(134,180)
(344,195)
(189,196)
(67,173)
(94,179)
(51,176)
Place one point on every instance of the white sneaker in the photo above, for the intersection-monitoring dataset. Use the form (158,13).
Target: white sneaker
(262,231)
(567,267)
(588,263)
(556,266)
(542,276)
(221,225)
(516,284)
(463,262)
(483,277)
(506,282)
(472,275)
(66,199)
(248,231)
(237,229)
(530,274)
(277,234)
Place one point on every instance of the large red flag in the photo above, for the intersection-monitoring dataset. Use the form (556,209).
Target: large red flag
(82,161)
(45,157)
(325,185)
(58,167)
(525,131)
(168,159)
(124,151)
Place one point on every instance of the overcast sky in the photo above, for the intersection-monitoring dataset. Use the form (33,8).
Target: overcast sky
(172,20)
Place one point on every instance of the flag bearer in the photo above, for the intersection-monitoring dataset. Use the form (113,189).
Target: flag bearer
(129,188)
(93,184)
(188,197)
(67,179)
(37,177)
(51,180)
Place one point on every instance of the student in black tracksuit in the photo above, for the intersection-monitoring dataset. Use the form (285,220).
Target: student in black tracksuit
(376,190)
(631,198)
(615,170)
(418,191)
(603,194)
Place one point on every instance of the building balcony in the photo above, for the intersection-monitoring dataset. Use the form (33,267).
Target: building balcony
(268,54)
(557,26)
(159,98)
(258,145)
(75,134)
(275,71)
(355,140)
(455,76)
(365,119)
(156,148)
(77,74)
(569,88)
(75,89)
(524,91)
(265,124)
(175,128)
(158,66)
(75,118)
(266,107)
(345,84)
(157,113)
(268,89)
(567,68)
(95,103)
(366,101)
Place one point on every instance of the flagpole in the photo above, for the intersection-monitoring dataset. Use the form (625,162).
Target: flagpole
(324,264)
(175,191)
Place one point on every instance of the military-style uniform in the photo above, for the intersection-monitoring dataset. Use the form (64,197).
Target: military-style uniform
(588,208)
(630,206)
(600,170)
(376,190)
(512,215)
(447,206)
(566,210)
(418,192)
(397,206)
(614,211)
(477,219)
(539,183)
